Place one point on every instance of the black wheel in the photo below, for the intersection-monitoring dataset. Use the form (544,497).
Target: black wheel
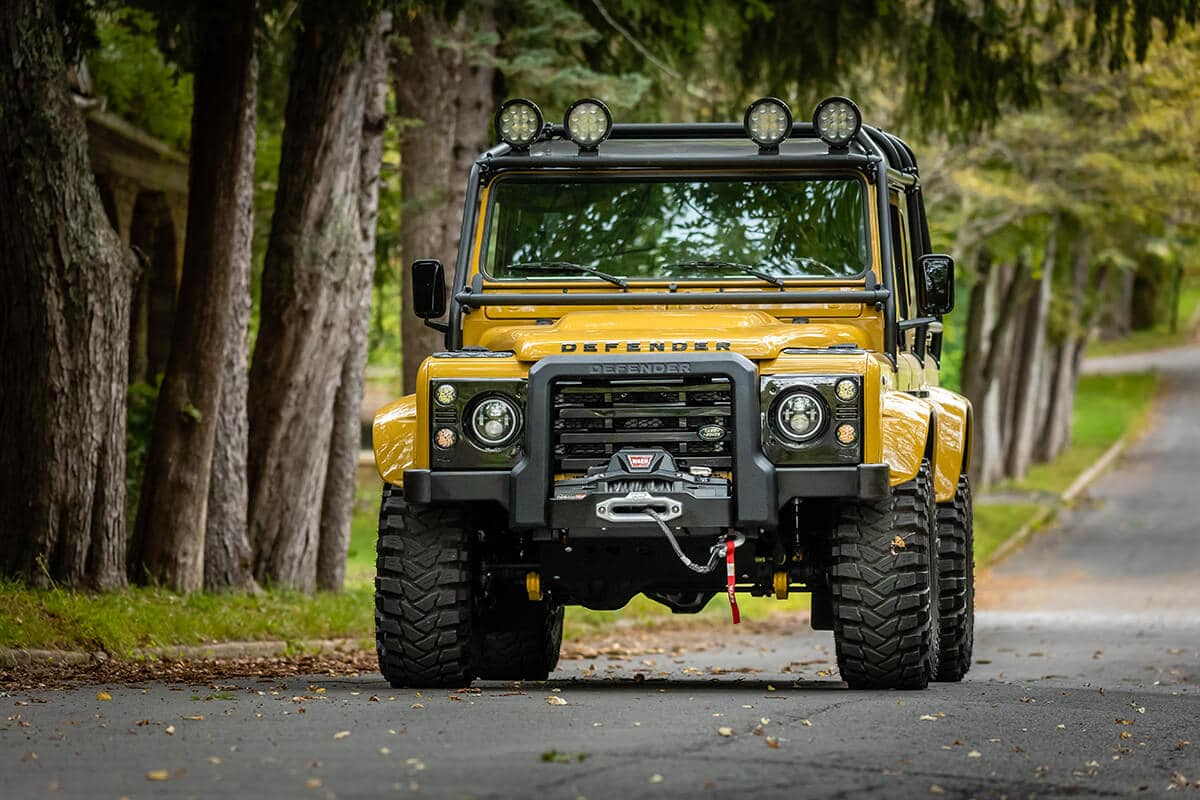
(884,581)
(956,577)
(521,641)
(423,594)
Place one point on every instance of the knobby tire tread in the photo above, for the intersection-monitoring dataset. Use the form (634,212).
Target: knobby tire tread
(884,615)
(423,594)
(956,556)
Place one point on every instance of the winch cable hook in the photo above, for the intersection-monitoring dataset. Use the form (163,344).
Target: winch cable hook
(725,547)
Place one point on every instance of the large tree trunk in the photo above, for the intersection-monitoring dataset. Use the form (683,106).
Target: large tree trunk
(337,505)
(312,287)
(446,114)
(228,558)
(168,545)
(64,325)
(1030,373)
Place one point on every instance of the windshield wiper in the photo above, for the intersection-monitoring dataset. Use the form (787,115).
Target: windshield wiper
(746,268)
(554,266)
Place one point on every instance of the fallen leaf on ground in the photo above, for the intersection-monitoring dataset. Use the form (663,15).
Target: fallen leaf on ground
(1124,721)
(724,731)
(313,783)
(656,778)
(772,743)
(555,701)
(928,718)
(806,723)
(341,734)
(158,775)
(169,730)
(194,717)
(935,789)
(974,754)
(105,696)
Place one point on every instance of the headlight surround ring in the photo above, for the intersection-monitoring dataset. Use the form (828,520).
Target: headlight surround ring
(493,421)
(800,402)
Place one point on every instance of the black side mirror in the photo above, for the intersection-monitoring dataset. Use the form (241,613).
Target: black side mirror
(428,288)
(935,285)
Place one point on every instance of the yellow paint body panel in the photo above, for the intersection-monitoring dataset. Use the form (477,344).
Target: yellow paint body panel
(905,431)
(951,446)
(394,437)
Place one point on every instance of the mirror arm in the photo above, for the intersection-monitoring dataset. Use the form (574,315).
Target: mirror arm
(441,327)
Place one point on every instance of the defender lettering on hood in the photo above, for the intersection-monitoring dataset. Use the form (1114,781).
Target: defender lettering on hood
(643,347)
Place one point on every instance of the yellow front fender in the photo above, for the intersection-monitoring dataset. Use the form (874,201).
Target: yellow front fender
(905,431)
(394,437)
(950,447)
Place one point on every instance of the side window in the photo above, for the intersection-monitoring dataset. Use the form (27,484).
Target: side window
(902,259)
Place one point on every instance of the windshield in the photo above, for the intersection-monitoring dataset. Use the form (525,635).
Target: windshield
(677,228)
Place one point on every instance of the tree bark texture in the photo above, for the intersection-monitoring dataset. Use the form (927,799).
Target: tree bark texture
(447,113)
(168,544)
(337,504)
(313,282)
(64,324)
(228,558)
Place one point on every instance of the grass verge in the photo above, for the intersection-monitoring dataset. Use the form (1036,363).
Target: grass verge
(1106,407)
(137,618)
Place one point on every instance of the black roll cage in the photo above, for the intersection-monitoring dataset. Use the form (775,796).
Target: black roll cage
(882,152)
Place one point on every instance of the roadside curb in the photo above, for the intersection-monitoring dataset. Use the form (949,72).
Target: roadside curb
(1067,498)
(11,657)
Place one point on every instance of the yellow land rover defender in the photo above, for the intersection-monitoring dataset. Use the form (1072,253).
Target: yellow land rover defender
(681,360)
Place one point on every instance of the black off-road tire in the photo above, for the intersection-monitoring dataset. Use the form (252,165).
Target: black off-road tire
(884,596)
(956,581)
(525,643)
(423,594)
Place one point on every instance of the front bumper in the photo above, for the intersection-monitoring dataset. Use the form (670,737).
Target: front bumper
(863,482)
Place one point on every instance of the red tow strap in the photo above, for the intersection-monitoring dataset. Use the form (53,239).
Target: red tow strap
(731,580)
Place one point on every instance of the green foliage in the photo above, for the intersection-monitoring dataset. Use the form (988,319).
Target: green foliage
(139,419)
(137,81)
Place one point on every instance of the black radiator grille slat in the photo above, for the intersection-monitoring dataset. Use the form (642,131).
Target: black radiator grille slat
(592,419)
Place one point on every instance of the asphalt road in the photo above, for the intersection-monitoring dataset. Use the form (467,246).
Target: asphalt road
(1087,683)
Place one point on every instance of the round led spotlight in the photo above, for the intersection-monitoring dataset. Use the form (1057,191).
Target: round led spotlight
(495,421)
(768,122)
(800,416)
(445,394)
(518,123)
(846,389)
(837,121)
(847,434)
(588,122)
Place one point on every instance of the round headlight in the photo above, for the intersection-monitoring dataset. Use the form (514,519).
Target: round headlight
(588,123)
(518,123)
(837,121)
(800,416)
(846,389)
(495,421)
(768,122)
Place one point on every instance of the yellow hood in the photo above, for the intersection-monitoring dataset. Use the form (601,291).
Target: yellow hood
(755,334)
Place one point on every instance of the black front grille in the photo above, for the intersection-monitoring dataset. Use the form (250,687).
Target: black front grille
(591,420)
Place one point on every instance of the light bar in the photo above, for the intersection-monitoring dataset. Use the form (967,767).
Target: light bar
(588,122)
(518,123)
(837,121)
(768,123)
